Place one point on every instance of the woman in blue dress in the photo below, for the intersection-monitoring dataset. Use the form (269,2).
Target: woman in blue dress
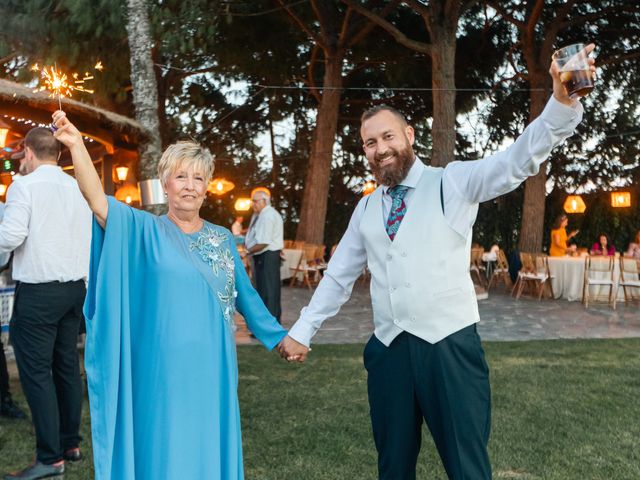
(160,350)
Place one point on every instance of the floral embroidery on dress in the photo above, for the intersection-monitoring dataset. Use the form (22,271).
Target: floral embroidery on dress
(209,245)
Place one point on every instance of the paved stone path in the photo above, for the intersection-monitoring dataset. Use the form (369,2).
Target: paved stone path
(502,318)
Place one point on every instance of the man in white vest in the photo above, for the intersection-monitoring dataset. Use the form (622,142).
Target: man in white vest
(424,360)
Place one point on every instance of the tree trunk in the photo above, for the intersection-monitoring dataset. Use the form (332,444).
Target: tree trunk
(315,197)
(275,167)
(532,229)
(443,131)
(145,88)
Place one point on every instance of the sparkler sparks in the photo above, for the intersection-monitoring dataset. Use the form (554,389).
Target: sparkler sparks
(58,83)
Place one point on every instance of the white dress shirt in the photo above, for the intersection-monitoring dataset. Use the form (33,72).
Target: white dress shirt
(464,185)
(266,228)
(4,257)
(48,223)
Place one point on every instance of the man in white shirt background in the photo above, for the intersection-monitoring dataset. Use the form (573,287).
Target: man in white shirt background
(425,361)
(264,242)
(8,408)
(47,224)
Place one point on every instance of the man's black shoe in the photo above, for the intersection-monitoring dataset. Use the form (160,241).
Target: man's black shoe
(11,410)
(38,470)
(72,454)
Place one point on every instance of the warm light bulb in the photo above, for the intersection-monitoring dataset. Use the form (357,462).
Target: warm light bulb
(574,205)
(121,173)
(128,199)
(219,186)
(3,137)
(243,204)
(3,189)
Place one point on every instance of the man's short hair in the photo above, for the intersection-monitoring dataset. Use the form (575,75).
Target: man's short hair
(262,193)
(381,108)
(42,143)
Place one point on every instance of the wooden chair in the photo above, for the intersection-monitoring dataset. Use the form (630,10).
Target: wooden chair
(500,272)
(307,267)
(535,274)
(629,278)
(598,271)
(295,258)
(476,267)
(321,263)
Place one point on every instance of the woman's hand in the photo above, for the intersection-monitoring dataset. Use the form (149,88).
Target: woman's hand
(66,132)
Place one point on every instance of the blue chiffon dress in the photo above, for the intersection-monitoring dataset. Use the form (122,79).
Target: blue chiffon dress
(160,350)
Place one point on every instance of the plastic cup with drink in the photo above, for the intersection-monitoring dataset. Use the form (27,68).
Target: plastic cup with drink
(575,73)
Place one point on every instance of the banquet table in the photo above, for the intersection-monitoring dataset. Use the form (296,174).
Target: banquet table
(568,279)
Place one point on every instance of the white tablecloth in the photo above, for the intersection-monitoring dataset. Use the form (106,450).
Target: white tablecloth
(569,278)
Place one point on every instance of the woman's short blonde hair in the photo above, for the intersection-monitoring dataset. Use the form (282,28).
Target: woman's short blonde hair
(185,154)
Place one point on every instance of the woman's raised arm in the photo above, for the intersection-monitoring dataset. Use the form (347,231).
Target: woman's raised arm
(85,173)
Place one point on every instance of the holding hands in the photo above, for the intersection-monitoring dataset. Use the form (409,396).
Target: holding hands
(292,351)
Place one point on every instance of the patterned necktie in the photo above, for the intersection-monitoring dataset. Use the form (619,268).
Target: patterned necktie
(398,209)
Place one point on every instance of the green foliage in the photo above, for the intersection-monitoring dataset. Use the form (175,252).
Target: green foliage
(604,150)
(227,70)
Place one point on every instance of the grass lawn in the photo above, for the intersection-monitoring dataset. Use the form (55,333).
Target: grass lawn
(561,410)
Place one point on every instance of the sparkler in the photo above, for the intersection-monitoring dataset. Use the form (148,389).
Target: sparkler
(59,84)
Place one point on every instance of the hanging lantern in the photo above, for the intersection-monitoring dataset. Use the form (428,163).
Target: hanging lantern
(574,204)
(368,188)
(620,199)
(220,186)
(121,173)
(128,193)
(242,204)
(3,137)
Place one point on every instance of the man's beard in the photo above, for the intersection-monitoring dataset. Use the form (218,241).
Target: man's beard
(394,173)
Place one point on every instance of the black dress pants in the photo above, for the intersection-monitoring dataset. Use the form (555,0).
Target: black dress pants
(44,335)
(447,384)
(267,270)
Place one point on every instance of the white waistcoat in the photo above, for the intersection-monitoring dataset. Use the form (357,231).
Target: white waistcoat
(420,282)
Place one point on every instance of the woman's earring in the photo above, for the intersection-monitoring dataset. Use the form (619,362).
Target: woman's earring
(166,194)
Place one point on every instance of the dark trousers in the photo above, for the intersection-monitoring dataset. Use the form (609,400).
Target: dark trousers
(44,335)
(267,270)
(447,384)
(4,375)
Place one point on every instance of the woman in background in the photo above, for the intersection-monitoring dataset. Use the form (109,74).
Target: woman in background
(634,247)
(603,246)
(559,238)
